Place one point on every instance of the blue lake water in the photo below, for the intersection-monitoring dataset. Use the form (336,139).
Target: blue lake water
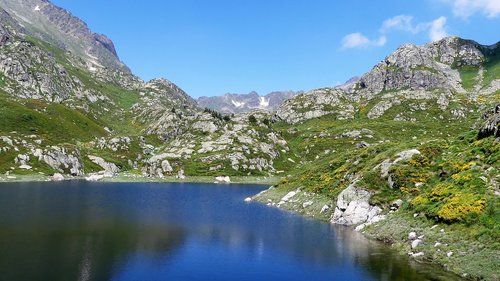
(157,231)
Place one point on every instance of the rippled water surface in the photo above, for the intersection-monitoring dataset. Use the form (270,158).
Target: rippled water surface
(145,231)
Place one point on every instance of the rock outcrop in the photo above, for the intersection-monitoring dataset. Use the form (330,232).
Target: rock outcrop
(491,125)
(353,207)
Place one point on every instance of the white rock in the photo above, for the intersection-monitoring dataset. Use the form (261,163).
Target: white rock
(437,244)
(248,199)
(434,226)
(324,208)
(225,179)
(449,254)
(180,175)
(57,177)
(353,206)
(360,227)
(288,196)
(166,167)
(307,204)
(412,235)
(108,167)
(94,177)
(419,254)
(25,167)
(415,243)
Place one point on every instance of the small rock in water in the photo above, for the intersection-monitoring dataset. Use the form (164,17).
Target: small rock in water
(248,199)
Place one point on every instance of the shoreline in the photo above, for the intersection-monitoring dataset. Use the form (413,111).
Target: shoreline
(441,245)
(125,177)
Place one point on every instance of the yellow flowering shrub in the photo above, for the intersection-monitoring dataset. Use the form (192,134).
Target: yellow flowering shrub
(460,206)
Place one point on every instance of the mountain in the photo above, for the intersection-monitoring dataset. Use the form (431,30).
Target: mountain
(43,20)
(439,72)
(238,103)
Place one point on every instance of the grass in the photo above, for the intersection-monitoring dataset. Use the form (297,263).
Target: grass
(54,122)
(469,76)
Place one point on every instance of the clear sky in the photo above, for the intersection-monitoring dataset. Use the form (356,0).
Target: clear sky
(212,47)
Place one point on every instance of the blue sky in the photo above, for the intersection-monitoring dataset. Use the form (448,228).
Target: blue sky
(220,46)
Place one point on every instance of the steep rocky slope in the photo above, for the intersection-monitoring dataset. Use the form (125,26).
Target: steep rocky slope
(238,103)
(52,24)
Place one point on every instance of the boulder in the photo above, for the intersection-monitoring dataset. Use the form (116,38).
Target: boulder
(94,177)
(166,167)
(25,167)
(180,175)
(225,179)
(57,177)
(415,243)
(412,236)
(353,207)
(109,168)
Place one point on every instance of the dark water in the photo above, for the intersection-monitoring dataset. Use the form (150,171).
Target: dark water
(144,231)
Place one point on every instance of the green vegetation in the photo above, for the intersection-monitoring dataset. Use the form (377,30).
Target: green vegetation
(54,122)
(469,76)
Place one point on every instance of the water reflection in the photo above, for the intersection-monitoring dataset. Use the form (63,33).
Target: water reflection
(99,231)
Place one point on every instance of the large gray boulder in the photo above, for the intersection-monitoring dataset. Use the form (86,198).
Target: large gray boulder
(353,207)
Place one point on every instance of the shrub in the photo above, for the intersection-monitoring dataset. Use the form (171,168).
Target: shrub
(460,206)
(252,119)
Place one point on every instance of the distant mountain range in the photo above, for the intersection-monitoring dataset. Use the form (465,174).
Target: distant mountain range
(238,103)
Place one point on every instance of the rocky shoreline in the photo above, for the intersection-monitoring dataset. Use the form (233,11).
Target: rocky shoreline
(408,233)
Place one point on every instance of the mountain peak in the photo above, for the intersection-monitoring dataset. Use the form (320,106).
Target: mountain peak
(55,25)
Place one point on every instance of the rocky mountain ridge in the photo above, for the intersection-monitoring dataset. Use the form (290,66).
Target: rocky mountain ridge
(434,72)
(55,25)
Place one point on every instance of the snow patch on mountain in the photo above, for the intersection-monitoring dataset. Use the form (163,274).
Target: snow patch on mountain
(263,102)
